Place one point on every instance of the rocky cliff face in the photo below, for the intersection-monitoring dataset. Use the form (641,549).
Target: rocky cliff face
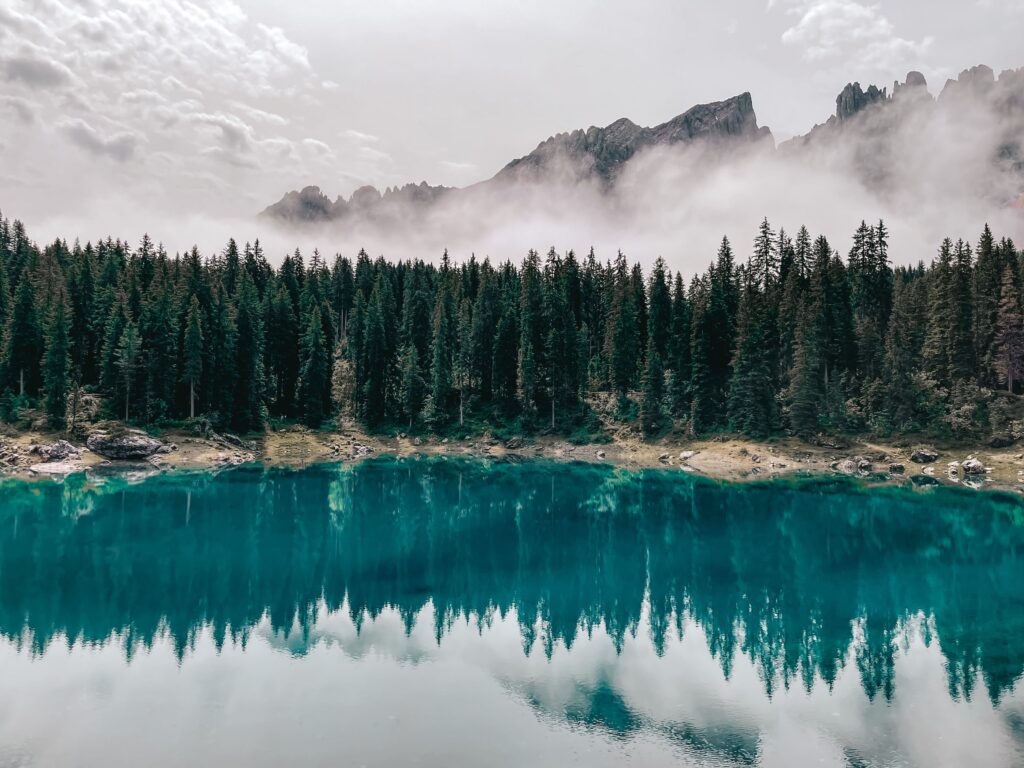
(594,152)
(310,205)
(852,99)
(868,125)
(604,151)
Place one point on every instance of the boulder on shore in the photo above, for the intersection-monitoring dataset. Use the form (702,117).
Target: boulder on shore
(924,456)
(58,451)
(125,446)
(972,466)
(55,468)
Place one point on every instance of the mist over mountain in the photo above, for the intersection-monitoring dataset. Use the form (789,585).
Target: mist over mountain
(930,165)
(580,156)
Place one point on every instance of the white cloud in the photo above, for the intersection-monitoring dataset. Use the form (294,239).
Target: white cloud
(259,115)
(292,52)
(318,148)
(22,108)
(34,69)
(847,29)
(360,137)
(119,146)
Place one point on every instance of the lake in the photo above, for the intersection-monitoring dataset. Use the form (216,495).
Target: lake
(441,612)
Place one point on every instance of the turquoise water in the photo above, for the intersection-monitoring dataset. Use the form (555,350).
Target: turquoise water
(432,612)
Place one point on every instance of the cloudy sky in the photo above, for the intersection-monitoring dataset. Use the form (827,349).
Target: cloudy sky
(128,115)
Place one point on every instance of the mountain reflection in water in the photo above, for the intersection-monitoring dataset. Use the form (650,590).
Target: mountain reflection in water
(610,585)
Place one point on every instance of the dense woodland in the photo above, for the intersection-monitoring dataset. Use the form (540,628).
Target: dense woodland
(793,338)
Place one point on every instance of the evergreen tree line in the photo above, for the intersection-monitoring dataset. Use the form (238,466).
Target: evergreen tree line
(796,338)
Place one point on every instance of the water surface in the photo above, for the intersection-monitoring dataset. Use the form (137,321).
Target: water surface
(432,612)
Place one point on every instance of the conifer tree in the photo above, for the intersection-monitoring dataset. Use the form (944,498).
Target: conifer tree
(57,363)
(900,359)
(531,334)
(463,368)
(127,359)
(679,349)
(375,366)
(193,363)
(764,263)
(940,312)
(660,315)
(506,354)
(561,351)
(413,387)
(159,332)
(651,406)
(441,365)
(314,376)
(1008,347)
(961,340)
(806,395)
(23,343)
(622,347)
(248,395)
(751,391)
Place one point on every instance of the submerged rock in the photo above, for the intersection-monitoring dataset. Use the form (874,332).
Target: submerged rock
(126,446)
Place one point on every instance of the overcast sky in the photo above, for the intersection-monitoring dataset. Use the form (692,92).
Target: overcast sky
(128,115)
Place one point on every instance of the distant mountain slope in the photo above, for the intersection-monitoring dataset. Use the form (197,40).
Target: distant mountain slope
(594,152)
(603,151)
(875,129)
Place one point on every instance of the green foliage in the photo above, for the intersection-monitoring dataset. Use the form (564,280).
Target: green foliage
(56,365)
(314,377)
(794,339)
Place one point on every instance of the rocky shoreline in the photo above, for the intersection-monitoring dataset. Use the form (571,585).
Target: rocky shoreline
(724,458)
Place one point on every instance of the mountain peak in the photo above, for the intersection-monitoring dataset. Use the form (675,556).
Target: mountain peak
(602,152)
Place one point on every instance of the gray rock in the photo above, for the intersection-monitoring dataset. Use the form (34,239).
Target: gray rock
(972,466)
(55,468)
(852,99)
(896,469)
(126,446)
(58,451)
(601,152)
(846,466)
(359,450)
(924,456)
(687,455)
(514,443)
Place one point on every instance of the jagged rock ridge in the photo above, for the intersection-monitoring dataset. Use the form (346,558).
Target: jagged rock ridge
(594,152)
(866,118)
(603,151)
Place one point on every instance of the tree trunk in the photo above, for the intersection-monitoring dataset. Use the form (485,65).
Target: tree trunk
(127,399)
(191,398)
(461,410)
(21,382)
